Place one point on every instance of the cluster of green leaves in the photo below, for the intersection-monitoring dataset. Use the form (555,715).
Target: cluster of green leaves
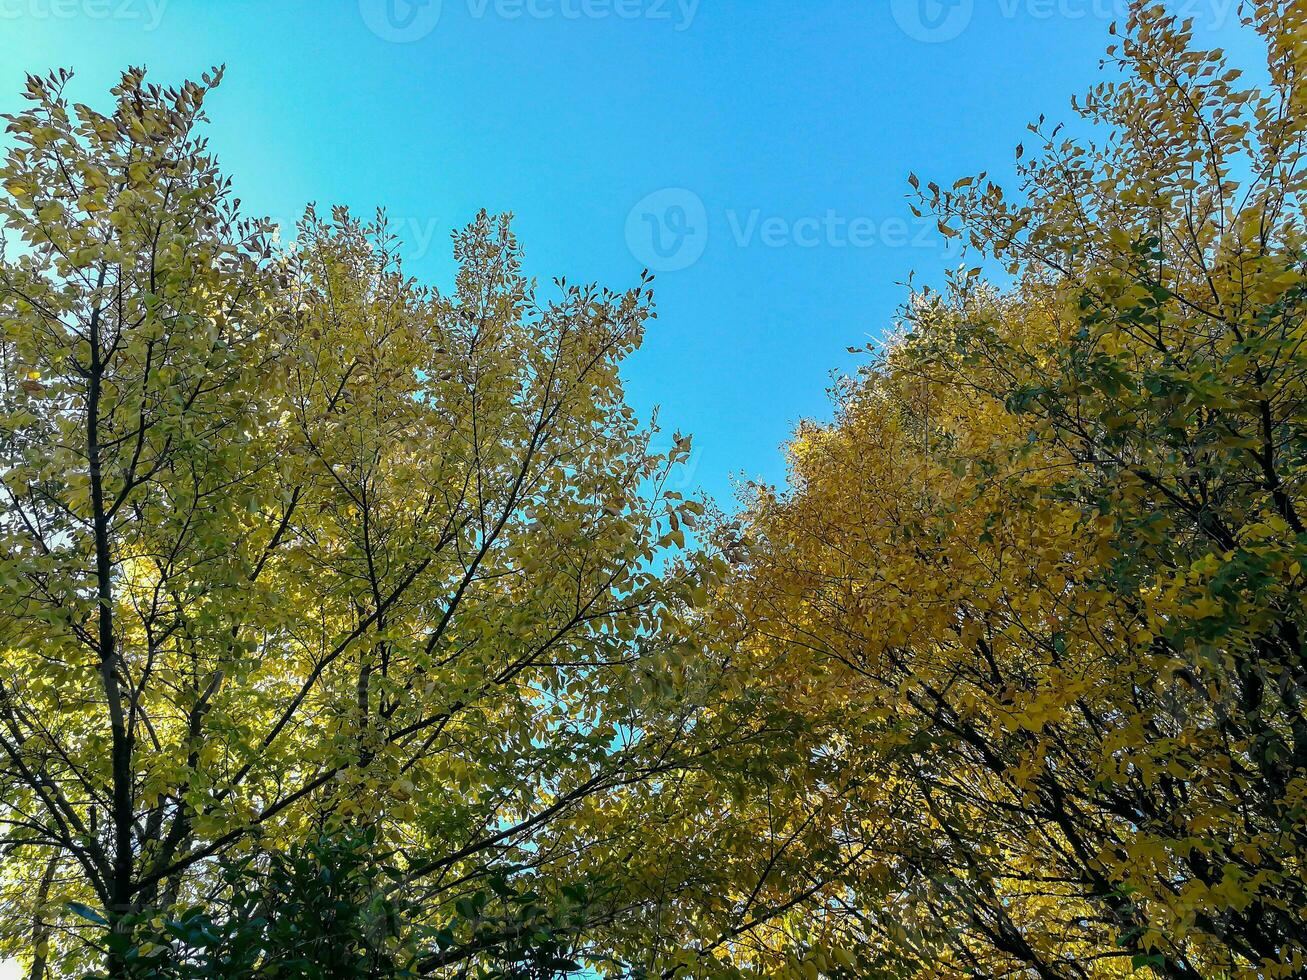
(315,911)
(334,909)
(288,539)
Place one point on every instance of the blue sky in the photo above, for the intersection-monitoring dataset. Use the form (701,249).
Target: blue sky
(755,152)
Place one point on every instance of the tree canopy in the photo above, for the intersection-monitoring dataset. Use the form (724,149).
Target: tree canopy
(287,538)
(1040,582)
(350,627)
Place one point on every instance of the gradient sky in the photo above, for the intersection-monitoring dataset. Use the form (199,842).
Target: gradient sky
(754,152)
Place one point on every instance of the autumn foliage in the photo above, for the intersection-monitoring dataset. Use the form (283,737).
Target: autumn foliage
(1041,580)
(348,627)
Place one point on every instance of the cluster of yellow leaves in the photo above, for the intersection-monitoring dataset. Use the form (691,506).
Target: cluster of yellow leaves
(1037,591)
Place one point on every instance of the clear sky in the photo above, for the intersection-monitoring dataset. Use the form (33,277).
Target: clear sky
(753,152)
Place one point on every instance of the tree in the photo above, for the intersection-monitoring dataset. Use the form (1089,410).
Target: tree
(287,538)
(317,910)
(1042,577)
